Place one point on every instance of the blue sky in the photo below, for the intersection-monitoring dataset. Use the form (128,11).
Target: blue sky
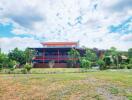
(94,23)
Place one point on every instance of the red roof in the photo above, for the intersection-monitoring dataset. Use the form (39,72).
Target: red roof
(59,43)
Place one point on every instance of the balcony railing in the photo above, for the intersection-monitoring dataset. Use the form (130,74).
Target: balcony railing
(55,57)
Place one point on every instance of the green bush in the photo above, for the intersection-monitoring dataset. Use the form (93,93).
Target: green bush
(122,66)
(129,66)
(101,64)
(11,71)
(24,71)
(107,61)
(1,67)
(130,61)
(28,67)
(11,63)
(85,63)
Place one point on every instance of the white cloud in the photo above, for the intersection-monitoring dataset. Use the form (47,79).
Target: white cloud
(127,37)
(68,20)
(10,43)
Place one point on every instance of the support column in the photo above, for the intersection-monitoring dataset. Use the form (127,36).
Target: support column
(43,55)
(58,55)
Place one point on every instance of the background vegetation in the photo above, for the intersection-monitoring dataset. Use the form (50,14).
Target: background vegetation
(109,59)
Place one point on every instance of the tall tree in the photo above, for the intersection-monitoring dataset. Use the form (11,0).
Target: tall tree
(3,60)
(17,55)
(29,53)
(74,56)
(113,54)
(130,53)
(90,55)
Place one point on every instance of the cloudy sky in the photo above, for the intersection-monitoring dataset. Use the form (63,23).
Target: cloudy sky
(94,23)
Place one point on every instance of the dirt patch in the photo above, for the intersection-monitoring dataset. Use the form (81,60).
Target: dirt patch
(108,96)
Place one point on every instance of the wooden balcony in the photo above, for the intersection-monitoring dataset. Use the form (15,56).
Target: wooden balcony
(54,57)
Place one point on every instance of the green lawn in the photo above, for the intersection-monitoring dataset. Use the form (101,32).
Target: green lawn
(67,84)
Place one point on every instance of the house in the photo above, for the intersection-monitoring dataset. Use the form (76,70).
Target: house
(54,54)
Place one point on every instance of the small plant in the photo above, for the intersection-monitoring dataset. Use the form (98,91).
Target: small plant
(28,67)
(113,90)
(51,63)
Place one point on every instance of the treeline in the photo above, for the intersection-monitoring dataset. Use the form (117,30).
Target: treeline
(17,58)
(108,59)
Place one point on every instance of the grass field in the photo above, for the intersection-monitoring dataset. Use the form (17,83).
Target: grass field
(67,84)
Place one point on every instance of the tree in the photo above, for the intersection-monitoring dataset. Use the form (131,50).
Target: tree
(85,63)
(113,54)
(73,56)
(107,60)
(17,55)
(90,55)
(3,60)
(130,61)
(130,53)
(1,67)
(29,54)
(11,63)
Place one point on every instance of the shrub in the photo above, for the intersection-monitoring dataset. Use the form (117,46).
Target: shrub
(11,63)
(24,71)
(107,61)
(1,67)
(85,63)
(11,71)
(129,66)
(113,90)
(101,64)
(122,66)
(28,67)
(130,61)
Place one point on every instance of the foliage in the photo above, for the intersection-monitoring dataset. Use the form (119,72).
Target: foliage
(112,51)
(11,63)
(107,60)
(3,60)
(90,55)
(29,55)
(17,55)
(113,90)
(130,53)
(28,67)
(101,64)
(24,71)
(129,66)
(73,56)
(1,67)
(122,66)
(114,57)
(2,57)
(85,63)
(130,61)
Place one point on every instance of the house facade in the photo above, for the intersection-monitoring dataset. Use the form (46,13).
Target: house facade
(54,54)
